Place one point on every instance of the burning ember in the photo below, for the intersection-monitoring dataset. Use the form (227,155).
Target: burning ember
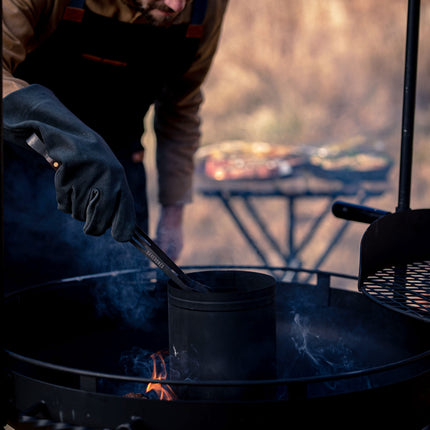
(164,392)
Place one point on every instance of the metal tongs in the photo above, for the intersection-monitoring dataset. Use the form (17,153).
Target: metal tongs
(151,250)
(139,239)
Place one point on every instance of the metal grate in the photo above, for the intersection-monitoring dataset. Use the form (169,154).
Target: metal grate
(403,288)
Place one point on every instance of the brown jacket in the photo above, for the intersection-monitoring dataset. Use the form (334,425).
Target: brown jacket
(27,23)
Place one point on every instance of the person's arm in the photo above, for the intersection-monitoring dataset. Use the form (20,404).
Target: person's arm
(90,182)
(177,120)
(177,127)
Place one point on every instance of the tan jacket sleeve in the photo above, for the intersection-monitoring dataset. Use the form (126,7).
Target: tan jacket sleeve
(177,120)
(26,24)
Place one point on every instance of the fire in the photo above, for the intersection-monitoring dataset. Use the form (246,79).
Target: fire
(164,392)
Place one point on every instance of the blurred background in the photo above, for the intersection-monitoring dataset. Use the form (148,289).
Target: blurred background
(302,73)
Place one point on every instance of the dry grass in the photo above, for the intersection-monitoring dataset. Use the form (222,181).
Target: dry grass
(300,72)
(294,71)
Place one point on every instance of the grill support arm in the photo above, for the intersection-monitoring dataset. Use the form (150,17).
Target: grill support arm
(358,213)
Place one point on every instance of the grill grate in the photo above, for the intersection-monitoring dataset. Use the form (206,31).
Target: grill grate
(403,288)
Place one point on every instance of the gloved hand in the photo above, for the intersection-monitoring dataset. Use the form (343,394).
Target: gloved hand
(169,230)
(91,182)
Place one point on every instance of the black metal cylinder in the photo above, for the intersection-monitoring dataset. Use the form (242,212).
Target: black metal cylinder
(225,335)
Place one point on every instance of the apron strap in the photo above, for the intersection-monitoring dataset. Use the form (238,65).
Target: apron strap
(195,29)
(74,11)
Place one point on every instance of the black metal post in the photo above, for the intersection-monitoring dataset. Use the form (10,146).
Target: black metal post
(409,99)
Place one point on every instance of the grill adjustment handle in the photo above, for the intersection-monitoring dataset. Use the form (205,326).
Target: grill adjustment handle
(358,213)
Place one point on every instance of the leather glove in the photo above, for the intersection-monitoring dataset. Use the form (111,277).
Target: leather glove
(169,230)
(90,183)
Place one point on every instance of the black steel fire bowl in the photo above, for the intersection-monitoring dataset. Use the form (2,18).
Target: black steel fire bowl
(342,361)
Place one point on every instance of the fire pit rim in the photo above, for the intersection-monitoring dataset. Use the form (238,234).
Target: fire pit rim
(114,273)
(276,381)
(256,382)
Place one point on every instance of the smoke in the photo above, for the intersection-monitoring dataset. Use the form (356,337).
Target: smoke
(324,357)
(136,362)
(42,243)
(315,348)
(135,298)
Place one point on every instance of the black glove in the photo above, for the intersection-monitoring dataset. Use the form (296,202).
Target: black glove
(91,182)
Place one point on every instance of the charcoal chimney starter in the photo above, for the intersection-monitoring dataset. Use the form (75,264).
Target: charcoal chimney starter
(228,334)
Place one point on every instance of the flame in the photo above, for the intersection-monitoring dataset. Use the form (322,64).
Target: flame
(164,392)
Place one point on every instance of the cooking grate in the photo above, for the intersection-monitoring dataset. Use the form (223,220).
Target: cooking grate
(404,288)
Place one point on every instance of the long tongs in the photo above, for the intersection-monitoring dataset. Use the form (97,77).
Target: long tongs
(139,239)
(151,250)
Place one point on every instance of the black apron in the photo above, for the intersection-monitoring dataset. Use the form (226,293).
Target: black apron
(108,73)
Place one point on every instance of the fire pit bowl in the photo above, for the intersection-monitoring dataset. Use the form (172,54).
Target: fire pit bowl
(73,355)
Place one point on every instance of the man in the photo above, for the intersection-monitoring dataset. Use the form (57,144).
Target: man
(81,76)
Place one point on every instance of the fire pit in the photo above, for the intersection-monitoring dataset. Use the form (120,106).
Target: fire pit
(76,358)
